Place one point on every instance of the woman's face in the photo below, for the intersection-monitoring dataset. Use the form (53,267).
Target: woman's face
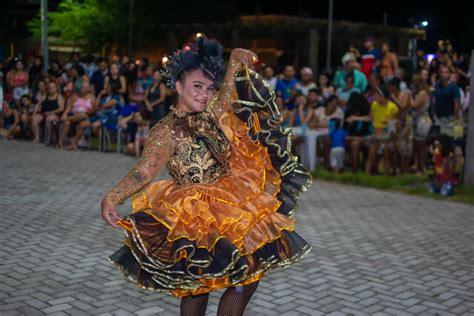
(156,76)
(19,65)
(85,88)
(52,88)
(195,91)
(42,86)
(323,80)
(331,107)
(114,69)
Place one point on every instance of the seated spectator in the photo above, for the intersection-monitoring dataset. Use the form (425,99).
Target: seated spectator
(286,115)
(10,119)
(77,77)
(129,117)
(357,125)
(17,80)
(108,105)
(345,93)
(307,82)
(80,106)
(27,109)
(388,63)
(98,77)
(141,135)
(304,113)
(383,113)
(42,90)
(338,146)
(268,76)
(48,109)
(325,86)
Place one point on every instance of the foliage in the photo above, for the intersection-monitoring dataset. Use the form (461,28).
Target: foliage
(410,184)
(88,23)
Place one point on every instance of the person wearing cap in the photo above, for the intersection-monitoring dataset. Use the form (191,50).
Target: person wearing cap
(371,57)
(360,81)
(307,82)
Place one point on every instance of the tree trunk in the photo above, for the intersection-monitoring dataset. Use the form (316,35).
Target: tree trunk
(469,164)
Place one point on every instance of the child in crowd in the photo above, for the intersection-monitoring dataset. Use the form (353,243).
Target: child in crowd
(338,145)
(444,159)
(141,134)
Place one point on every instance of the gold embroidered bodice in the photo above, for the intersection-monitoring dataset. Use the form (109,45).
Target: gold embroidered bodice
(192,146)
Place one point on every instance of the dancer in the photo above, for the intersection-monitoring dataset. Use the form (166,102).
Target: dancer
(226,216)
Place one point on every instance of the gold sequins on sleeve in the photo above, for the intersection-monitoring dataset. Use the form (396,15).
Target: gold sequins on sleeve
(158,149)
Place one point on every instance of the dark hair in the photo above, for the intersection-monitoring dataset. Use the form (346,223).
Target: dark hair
(25,96)
(383,91)
(394,82)
(349,75)
(315,90)
(331,98)
(79,69)
(198,53)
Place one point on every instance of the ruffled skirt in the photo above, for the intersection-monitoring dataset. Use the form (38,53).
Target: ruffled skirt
(193,239)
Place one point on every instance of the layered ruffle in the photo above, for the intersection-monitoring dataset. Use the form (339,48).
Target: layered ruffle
(192,239)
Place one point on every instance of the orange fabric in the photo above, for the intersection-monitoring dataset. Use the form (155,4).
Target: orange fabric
(240,207)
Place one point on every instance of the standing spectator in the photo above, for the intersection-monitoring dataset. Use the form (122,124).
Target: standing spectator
(389,62)
(73,60)
(375,81)
(18,81)
(421,120)
(305,113)
(288,87)
(49,109)
(370,58)
(345,93)
(323,116)
(78,109)
(116,81)
(382,113)
(268,76)
(338,146)
(325,85)
(360,81)
(55,71)
(314,98)
(307,82)
(36,73)
(357,125)
(446,101)
(155,96)
(145,78)
(98,77)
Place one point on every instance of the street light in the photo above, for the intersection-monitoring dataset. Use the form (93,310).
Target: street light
(424,24)
(420,25)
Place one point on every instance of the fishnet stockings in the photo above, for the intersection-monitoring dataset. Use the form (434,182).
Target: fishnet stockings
(234,300)
(194,305)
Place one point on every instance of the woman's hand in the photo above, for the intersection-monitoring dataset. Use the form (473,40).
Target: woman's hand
(109,212)
(243,56)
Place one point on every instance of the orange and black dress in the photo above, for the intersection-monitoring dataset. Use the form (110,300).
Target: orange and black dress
(226,216)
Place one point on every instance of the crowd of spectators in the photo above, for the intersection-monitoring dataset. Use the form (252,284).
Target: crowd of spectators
(367,110)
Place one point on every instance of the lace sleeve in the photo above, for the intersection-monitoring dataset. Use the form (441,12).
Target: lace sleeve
(158,149)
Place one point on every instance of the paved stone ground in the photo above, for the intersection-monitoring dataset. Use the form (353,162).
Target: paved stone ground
(373,252)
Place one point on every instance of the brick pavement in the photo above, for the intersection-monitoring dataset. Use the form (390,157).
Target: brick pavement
(374,252)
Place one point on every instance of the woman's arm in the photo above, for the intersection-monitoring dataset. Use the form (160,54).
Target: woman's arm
(60,104)
(123,85)
(222,101)
(158,149)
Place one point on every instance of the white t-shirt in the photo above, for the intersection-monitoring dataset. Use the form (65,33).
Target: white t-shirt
(323,119)
(305,89)
(272,82)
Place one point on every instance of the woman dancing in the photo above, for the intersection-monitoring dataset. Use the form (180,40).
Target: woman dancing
(226,216)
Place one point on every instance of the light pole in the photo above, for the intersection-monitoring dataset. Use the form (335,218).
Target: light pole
(423,24)
(329,37)
(44,35)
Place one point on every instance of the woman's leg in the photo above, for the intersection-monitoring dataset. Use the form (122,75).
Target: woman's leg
(194,305)
(374,146)
(35,122)
(235,299)
(355,147)
(63,130)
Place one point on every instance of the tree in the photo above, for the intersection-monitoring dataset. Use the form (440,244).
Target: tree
(87,23)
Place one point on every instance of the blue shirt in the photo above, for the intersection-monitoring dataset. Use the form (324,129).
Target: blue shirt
(338,138)
(287,89)
(443,99)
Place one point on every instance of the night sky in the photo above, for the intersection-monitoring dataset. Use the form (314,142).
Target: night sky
(453,21)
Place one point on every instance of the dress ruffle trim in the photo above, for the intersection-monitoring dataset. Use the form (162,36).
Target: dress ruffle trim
(181,268)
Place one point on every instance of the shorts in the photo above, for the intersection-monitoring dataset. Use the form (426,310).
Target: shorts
(337,157)
(105,117)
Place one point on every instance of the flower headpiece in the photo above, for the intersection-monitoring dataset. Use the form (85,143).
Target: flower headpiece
(199,53)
